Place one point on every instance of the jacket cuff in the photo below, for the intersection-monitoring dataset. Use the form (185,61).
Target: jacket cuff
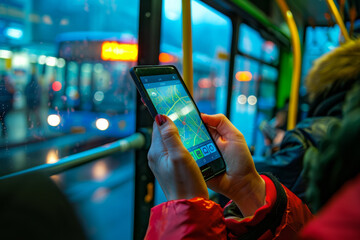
(178,219)
(266,219)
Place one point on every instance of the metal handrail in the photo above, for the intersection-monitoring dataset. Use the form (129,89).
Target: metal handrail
(135,141)
(338,19)
(296,48)
(187,45)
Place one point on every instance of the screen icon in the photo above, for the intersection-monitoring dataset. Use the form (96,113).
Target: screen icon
(205,150)
(198,153)
(211,148)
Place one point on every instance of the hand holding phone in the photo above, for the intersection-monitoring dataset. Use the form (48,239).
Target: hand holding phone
(164,92)
(241,182)
(176,171)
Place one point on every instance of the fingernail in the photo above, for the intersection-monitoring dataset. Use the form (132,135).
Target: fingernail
(160,119)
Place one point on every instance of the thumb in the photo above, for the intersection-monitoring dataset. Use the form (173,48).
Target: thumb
(222,125)
(170,136)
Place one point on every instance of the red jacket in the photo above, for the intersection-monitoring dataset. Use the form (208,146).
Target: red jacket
(281,217)
(340,217)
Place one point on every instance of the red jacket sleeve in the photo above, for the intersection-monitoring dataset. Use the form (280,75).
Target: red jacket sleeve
(339,218)
(187,219)
(281,217)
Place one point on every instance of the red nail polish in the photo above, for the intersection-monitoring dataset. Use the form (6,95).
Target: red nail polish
(160,119)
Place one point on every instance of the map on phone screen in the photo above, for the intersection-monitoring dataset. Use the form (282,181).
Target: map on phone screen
(170,98)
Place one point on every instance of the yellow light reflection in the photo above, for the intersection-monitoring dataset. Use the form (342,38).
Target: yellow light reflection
(243,76)
(56,179)
(52,156)
(289,14)
(100,170)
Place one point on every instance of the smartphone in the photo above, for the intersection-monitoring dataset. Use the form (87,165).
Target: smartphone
(164,92)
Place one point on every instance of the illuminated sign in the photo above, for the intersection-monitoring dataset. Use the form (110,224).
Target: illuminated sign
(167,58)
(243,76)
(114,51)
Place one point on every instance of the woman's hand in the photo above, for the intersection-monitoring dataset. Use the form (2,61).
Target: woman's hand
(174,168)
(240,182)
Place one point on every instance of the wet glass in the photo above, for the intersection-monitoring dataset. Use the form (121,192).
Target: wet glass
(254,86)
(267,90)
(245,96)
(270,52)
(250,41)
(211,33)
(319,40)
(266,104)
(64,91)
(254,45)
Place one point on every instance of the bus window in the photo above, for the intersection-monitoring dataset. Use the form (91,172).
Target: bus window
(86,86)
(244,97)
(65,97)
(102,85)
(113,91)
(250,41)
(255,82)
(57,97)
(267,90)
(318,41)
(270,52)
(72,86)
(210,53)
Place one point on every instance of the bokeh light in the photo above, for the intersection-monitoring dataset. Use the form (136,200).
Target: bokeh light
(102,124)
(53,120)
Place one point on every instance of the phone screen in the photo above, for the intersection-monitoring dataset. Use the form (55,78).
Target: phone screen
(171,99)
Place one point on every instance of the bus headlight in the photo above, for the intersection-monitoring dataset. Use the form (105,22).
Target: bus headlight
(102,124)
(53,120)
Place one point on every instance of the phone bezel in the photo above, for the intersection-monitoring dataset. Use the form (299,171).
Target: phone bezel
(208,170)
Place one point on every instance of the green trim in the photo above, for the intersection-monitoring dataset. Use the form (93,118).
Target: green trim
(259,16)
(284,85)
